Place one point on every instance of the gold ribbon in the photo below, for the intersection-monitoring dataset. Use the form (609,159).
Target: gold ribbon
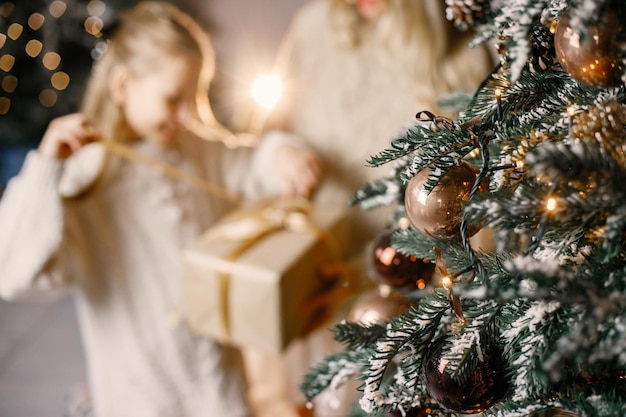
(169,170)
(254,224)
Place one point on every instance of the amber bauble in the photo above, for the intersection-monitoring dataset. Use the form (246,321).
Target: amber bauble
(484,388)
(439,214)
(398,270)
(592,59)
(377,306)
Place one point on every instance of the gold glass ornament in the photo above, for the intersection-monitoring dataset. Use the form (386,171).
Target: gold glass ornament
(440,213)
(396,269)
(378,305)
(592,60)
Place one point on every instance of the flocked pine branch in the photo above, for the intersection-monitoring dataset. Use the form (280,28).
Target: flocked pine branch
(554,299)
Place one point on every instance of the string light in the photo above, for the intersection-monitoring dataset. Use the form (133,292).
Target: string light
(5,105)
(15,31)
(57,8)
(446,281)
(551,204)
(35,21)
(6,62)
(9,83)
(33,48)
(51,60)
(498,94)
(266,90)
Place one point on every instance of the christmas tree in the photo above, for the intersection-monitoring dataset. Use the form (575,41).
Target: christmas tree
(536,327)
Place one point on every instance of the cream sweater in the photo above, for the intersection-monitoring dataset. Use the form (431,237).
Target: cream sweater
(119,244)
(350,103)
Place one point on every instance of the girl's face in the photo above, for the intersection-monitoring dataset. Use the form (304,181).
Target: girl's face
(371,9)
(156,104)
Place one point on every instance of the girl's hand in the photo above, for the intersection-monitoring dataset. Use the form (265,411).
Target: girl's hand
(66,135)
(300,169)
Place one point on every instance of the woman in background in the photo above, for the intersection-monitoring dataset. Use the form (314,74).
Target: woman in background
(356,72)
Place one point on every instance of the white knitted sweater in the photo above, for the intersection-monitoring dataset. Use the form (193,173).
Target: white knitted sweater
(119,244)
(350,103)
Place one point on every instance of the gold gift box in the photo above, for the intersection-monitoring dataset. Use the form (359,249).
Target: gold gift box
(251,279)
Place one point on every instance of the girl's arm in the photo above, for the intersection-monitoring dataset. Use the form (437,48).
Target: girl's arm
(31,224)
(31,212)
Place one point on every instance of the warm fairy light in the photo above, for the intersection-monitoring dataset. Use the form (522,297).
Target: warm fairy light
(266,90)
(93,26)
(446,281)
(57,8)
(35,21)
(498,94)
(33,48)
(421,283)
(519,164)
(6,9)
(5,105)
(6,62)
(551,204)
(9,83)
(51,60)
(571,111)
(48,97)
(404,223)
(15,31)
(96,7)
(60,80)
(474,153)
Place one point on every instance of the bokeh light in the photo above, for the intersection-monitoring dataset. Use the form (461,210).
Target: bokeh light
(267,89)
(35,21)
(48,98)
(51,60)
(60,80)
(15,31)
(9,83)
(33,47)
(6,62)
(57,8)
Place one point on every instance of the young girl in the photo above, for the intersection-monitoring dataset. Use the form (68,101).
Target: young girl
(356,72)
(78,213)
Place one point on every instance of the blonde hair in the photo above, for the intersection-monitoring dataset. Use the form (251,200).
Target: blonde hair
(146,34)
(414,34)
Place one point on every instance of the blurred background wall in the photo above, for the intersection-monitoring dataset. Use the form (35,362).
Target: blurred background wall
(46,51)
(47,48)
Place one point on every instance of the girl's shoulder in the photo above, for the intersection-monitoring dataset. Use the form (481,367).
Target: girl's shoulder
(82,170)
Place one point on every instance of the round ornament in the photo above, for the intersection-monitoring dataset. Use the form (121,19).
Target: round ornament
(439,213)
(377,305)
(592,59)
(484,387)
(398,270)
(554,412)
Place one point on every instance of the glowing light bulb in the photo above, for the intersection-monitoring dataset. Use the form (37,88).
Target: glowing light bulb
(266,90)
(551,204)
(446,281)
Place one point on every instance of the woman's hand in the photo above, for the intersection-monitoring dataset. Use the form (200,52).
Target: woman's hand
(66,135)
(300,169)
